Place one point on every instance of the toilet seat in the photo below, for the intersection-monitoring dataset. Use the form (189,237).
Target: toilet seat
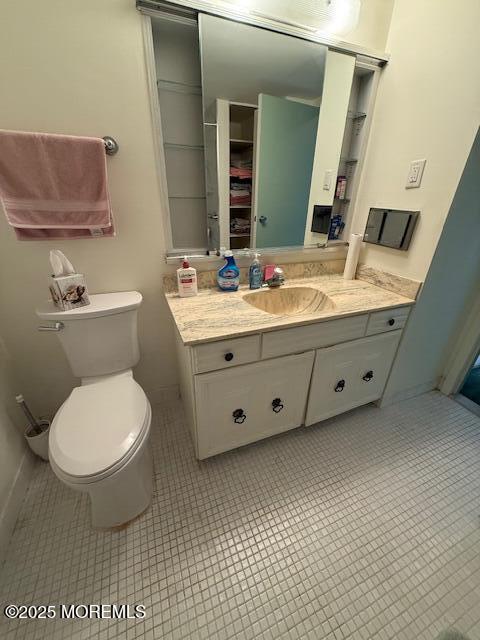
(99,428)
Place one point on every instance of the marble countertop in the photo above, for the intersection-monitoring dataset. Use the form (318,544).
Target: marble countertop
(216,315)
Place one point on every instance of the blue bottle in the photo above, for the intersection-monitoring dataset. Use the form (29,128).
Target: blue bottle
(228,277)
(255,274)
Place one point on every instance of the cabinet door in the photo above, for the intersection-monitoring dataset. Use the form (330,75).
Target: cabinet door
(287,132)
(349,375)
(284,391)
(240,405)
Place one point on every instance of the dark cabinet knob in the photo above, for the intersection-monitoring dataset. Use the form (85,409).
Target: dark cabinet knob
(368,376)
(340,386)
(239,416)
(391,322)
(228,356)
(277,405)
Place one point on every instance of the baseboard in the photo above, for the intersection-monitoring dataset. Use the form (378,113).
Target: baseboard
(164,395)
(10,512)
(467,403)
(406,394)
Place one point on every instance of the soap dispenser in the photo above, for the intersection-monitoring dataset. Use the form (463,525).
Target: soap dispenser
(255,273)
(187,280)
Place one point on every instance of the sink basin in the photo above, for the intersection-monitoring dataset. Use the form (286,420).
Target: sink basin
(289,301)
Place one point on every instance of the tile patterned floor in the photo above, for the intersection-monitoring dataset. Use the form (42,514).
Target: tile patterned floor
(364,527)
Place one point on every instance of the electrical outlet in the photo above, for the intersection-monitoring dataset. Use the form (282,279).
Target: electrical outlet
(414,178)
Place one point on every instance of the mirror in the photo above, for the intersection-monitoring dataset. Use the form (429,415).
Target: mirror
(254,130)
(262,90)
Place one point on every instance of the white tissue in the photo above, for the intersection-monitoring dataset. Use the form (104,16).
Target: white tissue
(67,265)
(61,265)
(353,254)
(56,264)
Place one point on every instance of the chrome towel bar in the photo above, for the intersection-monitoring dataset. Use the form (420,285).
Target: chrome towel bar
(111,145)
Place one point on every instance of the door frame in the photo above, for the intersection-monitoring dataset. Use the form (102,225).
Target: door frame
(463,352)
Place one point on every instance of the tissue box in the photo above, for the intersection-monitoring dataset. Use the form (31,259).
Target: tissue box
(69,292)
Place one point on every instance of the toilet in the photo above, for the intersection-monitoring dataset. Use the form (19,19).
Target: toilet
(99,438)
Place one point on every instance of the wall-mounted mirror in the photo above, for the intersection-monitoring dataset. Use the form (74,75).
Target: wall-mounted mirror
(261,134)
(262,91)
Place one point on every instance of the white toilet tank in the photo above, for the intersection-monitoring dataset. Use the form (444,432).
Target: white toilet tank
(100,338)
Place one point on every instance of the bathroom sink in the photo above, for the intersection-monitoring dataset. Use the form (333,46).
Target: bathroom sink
(289,301)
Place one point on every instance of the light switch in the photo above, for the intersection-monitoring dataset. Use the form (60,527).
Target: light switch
(327,180)
(414,178)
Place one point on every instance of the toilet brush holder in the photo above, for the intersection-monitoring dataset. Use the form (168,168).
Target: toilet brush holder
(38,442)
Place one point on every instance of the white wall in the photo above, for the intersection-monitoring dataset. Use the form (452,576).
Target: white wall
(15,460)
(452,282)
(79,69)
(428,106)
(373,26)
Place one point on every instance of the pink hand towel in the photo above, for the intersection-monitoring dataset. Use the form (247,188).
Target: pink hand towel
(54,186)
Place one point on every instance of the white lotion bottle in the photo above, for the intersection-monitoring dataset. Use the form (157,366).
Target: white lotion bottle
(187,280)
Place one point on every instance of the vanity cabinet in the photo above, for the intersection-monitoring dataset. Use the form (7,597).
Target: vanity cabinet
(349,375)
(251,402)
(246,388)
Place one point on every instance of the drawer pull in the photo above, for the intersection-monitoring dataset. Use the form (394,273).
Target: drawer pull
(228,356)
(340,386)
(368,376)
(277,405)
(239,416)
(391,322)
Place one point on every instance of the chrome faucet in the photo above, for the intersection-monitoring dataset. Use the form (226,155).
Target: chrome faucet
(276,279)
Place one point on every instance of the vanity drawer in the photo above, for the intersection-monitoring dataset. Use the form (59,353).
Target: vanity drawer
(225,353)
(313,336)
(388,320)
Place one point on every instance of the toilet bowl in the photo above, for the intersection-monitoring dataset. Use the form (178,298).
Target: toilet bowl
(99,444)
(99,438)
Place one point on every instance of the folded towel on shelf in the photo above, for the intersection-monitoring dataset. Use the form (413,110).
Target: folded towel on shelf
(239,172)
(240,191)
(239,185)
(237,188)
(54,186)
(241,162)
(240,200)
(240,225)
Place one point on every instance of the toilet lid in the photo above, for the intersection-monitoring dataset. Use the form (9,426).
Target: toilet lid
(98,425)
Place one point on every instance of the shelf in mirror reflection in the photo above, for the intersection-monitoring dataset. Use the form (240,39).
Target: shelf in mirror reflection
(237,145)
(356,115)
(185,147)
(179,87)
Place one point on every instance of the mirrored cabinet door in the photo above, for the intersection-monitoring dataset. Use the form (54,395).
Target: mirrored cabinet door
(263,134)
